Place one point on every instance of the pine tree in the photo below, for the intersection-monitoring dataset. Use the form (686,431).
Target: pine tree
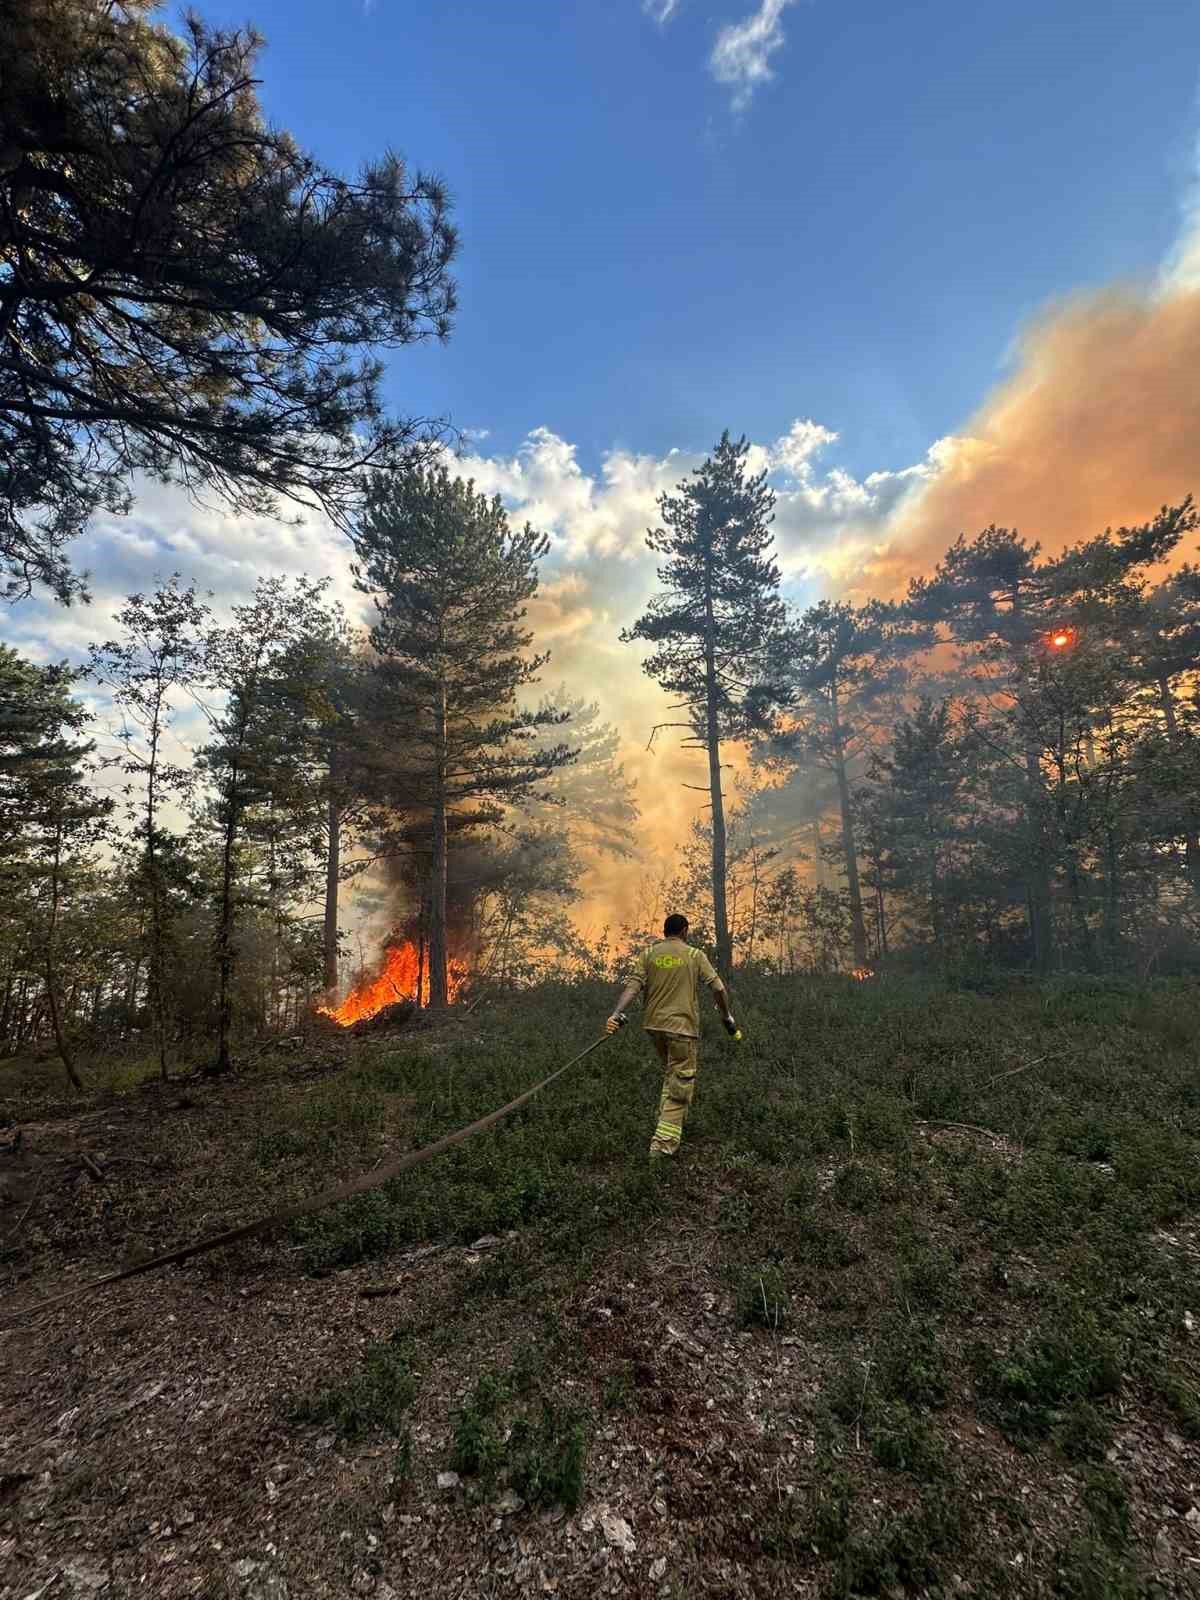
(50,819)
(329,760)
(450,581)
(845,672)
(157,656)
(915,798)
(253,747)
(716,623)
(184,290)
(1006,607)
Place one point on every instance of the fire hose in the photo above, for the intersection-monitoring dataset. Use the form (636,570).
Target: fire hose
(316,1202)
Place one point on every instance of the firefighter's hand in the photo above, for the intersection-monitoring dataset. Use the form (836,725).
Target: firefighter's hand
(615,1023)
(731,1028)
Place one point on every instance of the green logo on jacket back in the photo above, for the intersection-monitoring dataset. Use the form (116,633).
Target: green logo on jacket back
(670,961)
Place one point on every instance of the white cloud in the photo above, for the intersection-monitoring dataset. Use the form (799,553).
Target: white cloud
(794,452)
(597,577)
(661,10)
(1181,270)
(742,54)
(589,516)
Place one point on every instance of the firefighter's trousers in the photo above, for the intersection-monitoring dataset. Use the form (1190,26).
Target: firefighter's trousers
(678,1056)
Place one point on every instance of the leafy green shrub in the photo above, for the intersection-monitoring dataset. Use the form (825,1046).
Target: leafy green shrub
(802,1192)
(911,1366)
(928,1275)
(1083,1432)
(547,1456)
(848,1395)
(1051,1198)
(903,1442)
(403,1462)
(763,1300)
(1107,1503)
(1173,1021)
(830,1512)
(478,1444)
(348,1106)
(826,1246)
(1162,1166)
(1088,1570)
(1086,1135)
(904,1554)
(1069,1358)
(734,1213)
(375,1398)
(510,1273)
(1183,1398)
(858,1188)
(907,1552)
(618,1389)
(279,1144)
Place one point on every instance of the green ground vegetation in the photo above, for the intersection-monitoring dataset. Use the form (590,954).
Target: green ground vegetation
(965,1216)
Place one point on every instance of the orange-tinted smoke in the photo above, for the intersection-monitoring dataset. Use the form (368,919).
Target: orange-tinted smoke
(1098,426)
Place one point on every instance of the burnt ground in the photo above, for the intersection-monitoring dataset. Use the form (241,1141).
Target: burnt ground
(156,1437)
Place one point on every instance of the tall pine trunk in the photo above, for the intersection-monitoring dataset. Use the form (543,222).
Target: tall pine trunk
(270,1004)
(332,878)
(1191,840)
(225,952)
(1080,930)
(1037,882)
(1112,896)
(51,971)
(422,944)
(712,740)
(438,994)
(858,924)
(155,966)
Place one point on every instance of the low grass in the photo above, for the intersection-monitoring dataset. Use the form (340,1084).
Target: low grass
(536,1446)
(964,1215)
(375,1398)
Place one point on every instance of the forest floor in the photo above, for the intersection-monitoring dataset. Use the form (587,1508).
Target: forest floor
(916,1312)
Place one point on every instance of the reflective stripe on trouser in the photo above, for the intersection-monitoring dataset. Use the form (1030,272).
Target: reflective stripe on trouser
(678,1056)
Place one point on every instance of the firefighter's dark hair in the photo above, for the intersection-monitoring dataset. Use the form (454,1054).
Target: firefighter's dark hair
(675,926)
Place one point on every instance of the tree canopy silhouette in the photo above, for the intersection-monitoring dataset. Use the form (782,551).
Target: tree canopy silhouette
(183,290)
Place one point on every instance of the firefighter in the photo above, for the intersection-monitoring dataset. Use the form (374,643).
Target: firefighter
(668,978)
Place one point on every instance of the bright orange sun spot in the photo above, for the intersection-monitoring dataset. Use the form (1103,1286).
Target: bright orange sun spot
(397,979)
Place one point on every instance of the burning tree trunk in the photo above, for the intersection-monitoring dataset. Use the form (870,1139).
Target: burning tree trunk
(332,876)
(397,980)
(450,581)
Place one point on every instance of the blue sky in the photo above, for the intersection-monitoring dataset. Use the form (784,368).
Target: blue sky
(830,226)
(643,264)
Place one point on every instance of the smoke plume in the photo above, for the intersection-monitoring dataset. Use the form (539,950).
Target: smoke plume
(1097,426)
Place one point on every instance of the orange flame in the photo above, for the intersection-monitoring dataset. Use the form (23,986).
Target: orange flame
(1061,639)
(861,974)
(397,979)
